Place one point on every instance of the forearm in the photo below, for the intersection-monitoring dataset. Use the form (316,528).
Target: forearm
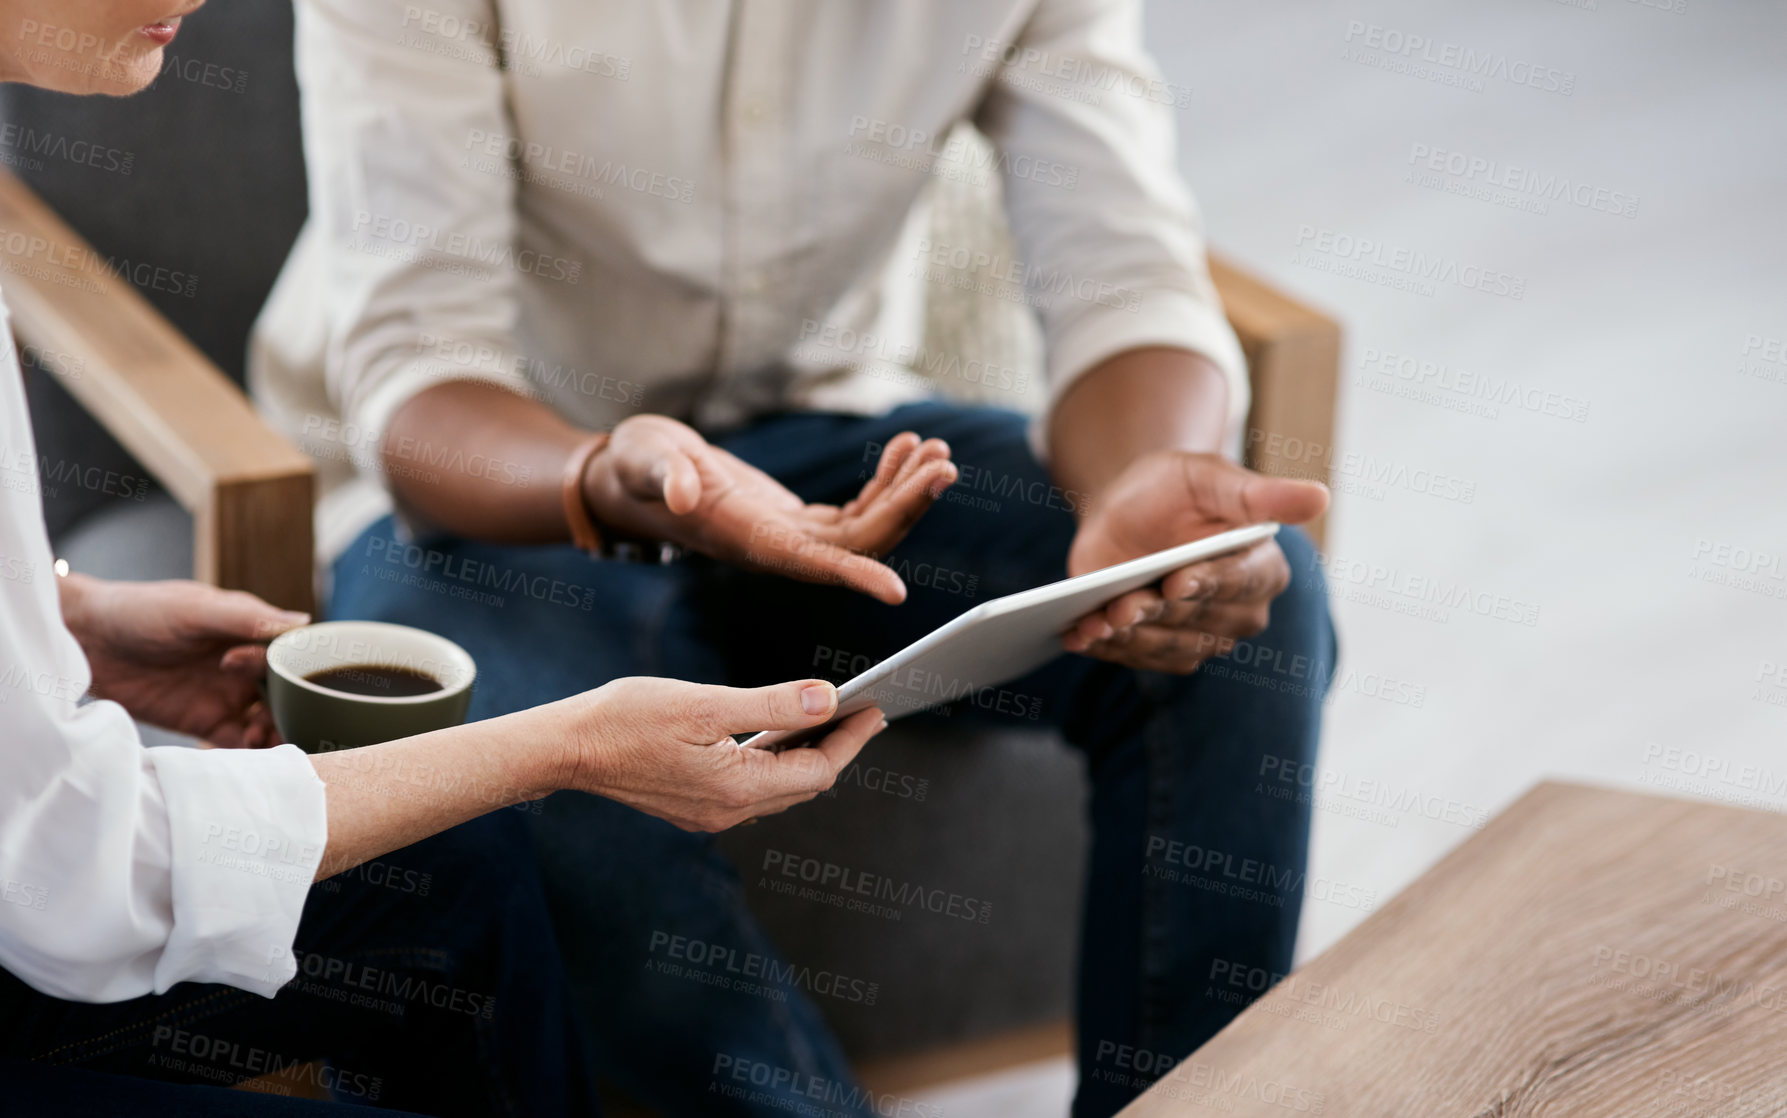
(1139,401)
(481,462)
(387,796)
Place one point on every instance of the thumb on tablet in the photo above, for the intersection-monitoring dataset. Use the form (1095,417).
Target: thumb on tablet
(783,706)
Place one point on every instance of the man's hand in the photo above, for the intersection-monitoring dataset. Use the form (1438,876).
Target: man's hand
(1169,498)
(659,479)
(179,654)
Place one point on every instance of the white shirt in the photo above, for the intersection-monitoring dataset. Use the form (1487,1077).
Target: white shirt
(124,870)
(706,208)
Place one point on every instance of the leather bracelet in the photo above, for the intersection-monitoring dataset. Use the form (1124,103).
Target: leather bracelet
(584,533)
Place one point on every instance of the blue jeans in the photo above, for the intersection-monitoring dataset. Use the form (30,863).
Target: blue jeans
(428,981)
(1193,870)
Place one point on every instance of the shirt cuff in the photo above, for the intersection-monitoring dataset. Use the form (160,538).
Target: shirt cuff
(1158,318)
(246,831)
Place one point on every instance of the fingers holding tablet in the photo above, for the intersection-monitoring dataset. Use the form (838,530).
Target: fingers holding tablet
(1196,612)
(1260,572)
(1138,607)
(800,774)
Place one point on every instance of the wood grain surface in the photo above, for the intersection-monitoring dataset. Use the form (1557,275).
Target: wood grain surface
(1589,953)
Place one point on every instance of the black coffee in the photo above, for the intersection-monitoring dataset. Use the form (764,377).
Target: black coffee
(381,680)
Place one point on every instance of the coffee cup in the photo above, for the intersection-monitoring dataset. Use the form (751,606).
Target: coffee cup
(342,684)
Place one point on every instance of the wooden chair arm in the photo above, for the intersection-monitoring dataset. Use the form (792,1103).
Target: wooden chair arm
(248,489)
(1293,358)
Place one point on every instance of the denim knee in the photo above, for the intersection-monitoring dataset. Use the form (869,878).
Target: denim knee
(481,872)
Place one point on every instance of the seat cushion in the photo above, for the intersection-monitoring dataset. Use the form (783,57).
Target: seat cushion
(996,819)
(135,541)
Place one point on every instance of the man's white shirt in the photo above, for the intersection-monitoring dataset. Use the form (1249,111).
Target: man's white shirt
(706,209)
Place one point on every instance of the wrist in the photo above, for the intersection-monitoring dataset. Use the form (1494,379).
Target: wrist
(603,494)
(1130,406)
(585,530)
(571,754)
(623,518)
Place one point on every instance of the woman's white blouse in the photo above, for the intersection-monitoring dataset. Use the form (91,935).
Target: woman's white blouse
(125,870)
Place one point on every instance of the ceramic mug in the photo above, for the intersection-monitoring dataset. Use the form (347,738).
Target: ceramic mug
(318,718)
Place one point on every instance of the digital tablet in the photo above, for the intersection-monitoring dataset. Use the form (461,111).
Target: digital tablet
(1003,639)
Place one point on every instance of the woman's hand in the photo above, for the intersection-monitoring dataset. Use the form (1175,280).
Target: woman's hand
(659,479)
(179,654)
(666,748)
(659,745)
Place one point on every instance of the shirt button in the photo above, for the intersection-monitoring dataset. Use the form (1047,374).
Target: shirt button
(753,282)
(754,110)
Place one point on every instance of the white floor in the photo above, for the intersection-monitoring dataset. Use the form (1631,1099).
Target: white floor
(1630,538)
